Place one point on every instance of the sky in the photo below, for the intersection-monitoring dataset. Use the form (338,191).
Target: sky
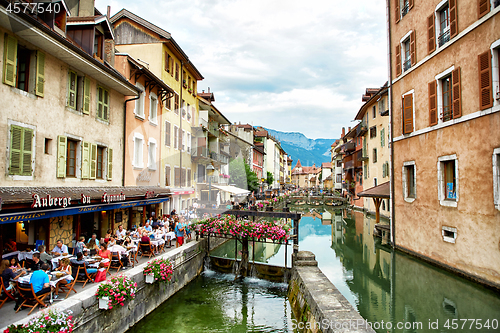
(293,66)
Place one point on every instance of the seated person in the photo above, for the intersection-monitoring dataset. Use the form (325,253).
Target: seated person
(79,261)
(112,241)
(93,241)
(104,253)
(148,227)
(145,238)
(11,245)
(127,243)
(14,264)
(121,233)
(44,256)
(107,236)
(40,280)
(8,275)
(80,246)
(60,249)
(36,263)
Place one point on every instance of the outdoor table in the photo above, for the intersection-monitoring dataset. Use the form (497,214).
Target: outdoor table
(55,260)
(53,282)
(10,255)
(25,255)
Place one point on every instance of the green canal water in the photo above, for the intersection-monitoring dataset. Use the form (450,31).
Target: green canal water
(392,291)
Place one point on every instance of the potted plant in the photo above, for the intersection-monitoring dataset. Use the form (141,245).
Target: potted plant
(51,321)
(158,269)
(116,291)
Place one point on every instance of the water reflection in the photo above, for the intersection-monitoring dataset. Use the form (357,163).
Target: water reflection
(385,285)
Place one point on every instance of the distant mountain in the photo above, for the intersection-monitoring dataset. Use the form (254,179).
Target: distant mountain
(298,146)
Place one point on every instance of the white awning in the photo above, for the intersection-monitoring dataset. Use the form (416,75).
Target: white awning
(232,189)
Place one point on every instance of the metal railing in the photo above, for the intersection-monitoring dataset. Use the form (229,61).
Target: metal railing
(444,38)
(199,152)
(407,64)
(405,8)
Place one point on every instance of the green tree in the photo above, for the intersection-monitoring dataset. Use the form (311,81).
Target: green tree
(252,180)
(238,173)
(270,178)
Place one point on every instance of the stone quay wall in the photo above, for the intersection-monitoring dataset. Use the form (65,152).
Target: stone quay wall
(317,304)
(188,263)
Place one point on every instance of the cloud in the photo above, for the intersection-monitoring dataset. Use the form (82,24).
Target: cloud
(289,65)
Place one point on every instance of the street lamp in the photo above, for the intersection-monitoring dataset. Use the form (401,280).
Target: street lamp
(210,171)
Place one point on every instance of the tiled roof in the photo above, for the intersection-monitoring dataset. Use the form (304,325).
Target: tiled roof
(326,165)
(261,133)
(379,191)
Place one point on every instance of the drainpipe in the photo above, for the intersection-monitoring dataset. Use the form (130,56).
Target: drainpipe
(125,133)
(180,131)
(391,123)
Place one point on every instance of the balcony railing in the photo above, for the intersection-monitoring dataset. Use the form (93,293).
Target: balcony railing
(361,129)
(407,64)
(350,146)
(214,156)
(405,8)
(349,165)
(223,159)
(203,122)
(199,152)
(444,38)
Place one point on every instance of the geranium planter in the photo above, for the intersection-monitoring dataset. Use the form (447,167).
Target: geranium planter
(150,278)
(104,303)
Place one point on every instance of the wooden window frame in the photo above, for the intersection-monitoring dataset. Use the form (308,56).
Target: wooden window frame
(69,143)
(99,165)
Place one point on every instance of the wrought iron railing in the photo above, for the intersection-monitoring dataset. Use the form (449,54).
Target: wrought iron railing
(407,64)
(444,38)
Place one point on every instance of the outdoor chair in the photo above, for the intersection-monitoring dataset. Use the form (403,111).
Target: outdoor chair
(115,261)
(146,250)
(81,275)
(30,299)
(6,294)
(64,286)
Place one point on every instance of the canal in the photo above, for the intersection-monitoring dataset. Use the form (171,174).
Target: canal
(388,288)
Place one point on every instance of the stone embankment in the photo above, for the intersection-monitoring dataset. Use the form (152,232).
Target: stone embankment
(317,304)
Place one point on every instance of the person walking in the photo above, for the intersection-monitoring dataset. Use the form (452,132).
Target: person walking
(179,233)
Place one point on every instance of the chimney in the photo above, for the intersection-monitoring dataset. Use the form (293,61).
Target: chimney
(108,13)
(343,131)
(86,8)
(348,129)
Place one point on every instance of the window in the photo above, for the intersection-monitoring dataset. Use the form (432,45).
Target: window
(102,104)
(374,155)
(139,103)
(138,144)
(152,154)
(445,19)
(183,106)
(382,137)
(183,177)
(183,140)
(47,146)
(153,107)
(483,7)
(409,181)
(445,96)
(71,158)
(169,64)
(167,133)
(100,160)
(374,112)
(21,151)
(496,177)
(176,137)
(201,173)
(405,53)
(365,170)
(449,234)
(188,142)
(98,45)
(373,132)
(381,106)
(21,65)
(168,103)
(448,180)
(407,108)
(177,71)
(78,92)
(402,8)
(167,175)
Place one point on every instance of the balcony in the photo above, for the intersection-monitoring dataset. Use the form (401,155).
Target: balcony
(223,159)
(361,129)
(444,38)
(349,165)
(350,146)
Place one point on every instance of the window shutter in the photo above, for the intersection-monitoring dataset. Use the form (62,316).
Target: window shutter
(86,96)
(40,73)
(93,161)
(10,60)
(413,54)
(166,61)
(398,60)
(167,133)
(62,143)
(485,90)
(431,34)
(175,137)
(16,137)
(456,86)
(483,7)
(433,119)
(85,160)
(167,176)
(27,152)
(408,114)
(397,13)
(110,163)
(99,102)
(410,6)
(453,18)
(105,105)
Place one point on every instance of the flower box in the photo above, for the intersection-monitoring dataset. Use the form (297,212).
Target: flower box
(104,303)
(150,278)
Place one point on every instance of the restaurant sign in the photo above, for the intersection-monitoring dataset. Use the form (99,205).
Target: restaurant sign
(49,201)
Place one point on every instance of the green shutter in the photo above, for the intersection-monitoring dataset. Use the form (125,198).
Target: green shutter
(85,160)
(16,137)
(62,143)
(10,60)
(93,161)
(105,105)
(72,89)
(40,73)
(99,102)
(86,96)
(382,137)
(27,151)
(110,163)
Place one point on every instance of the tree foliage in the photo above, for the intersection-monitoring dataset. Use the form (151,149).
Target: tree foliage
(242,176)
(270,178)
